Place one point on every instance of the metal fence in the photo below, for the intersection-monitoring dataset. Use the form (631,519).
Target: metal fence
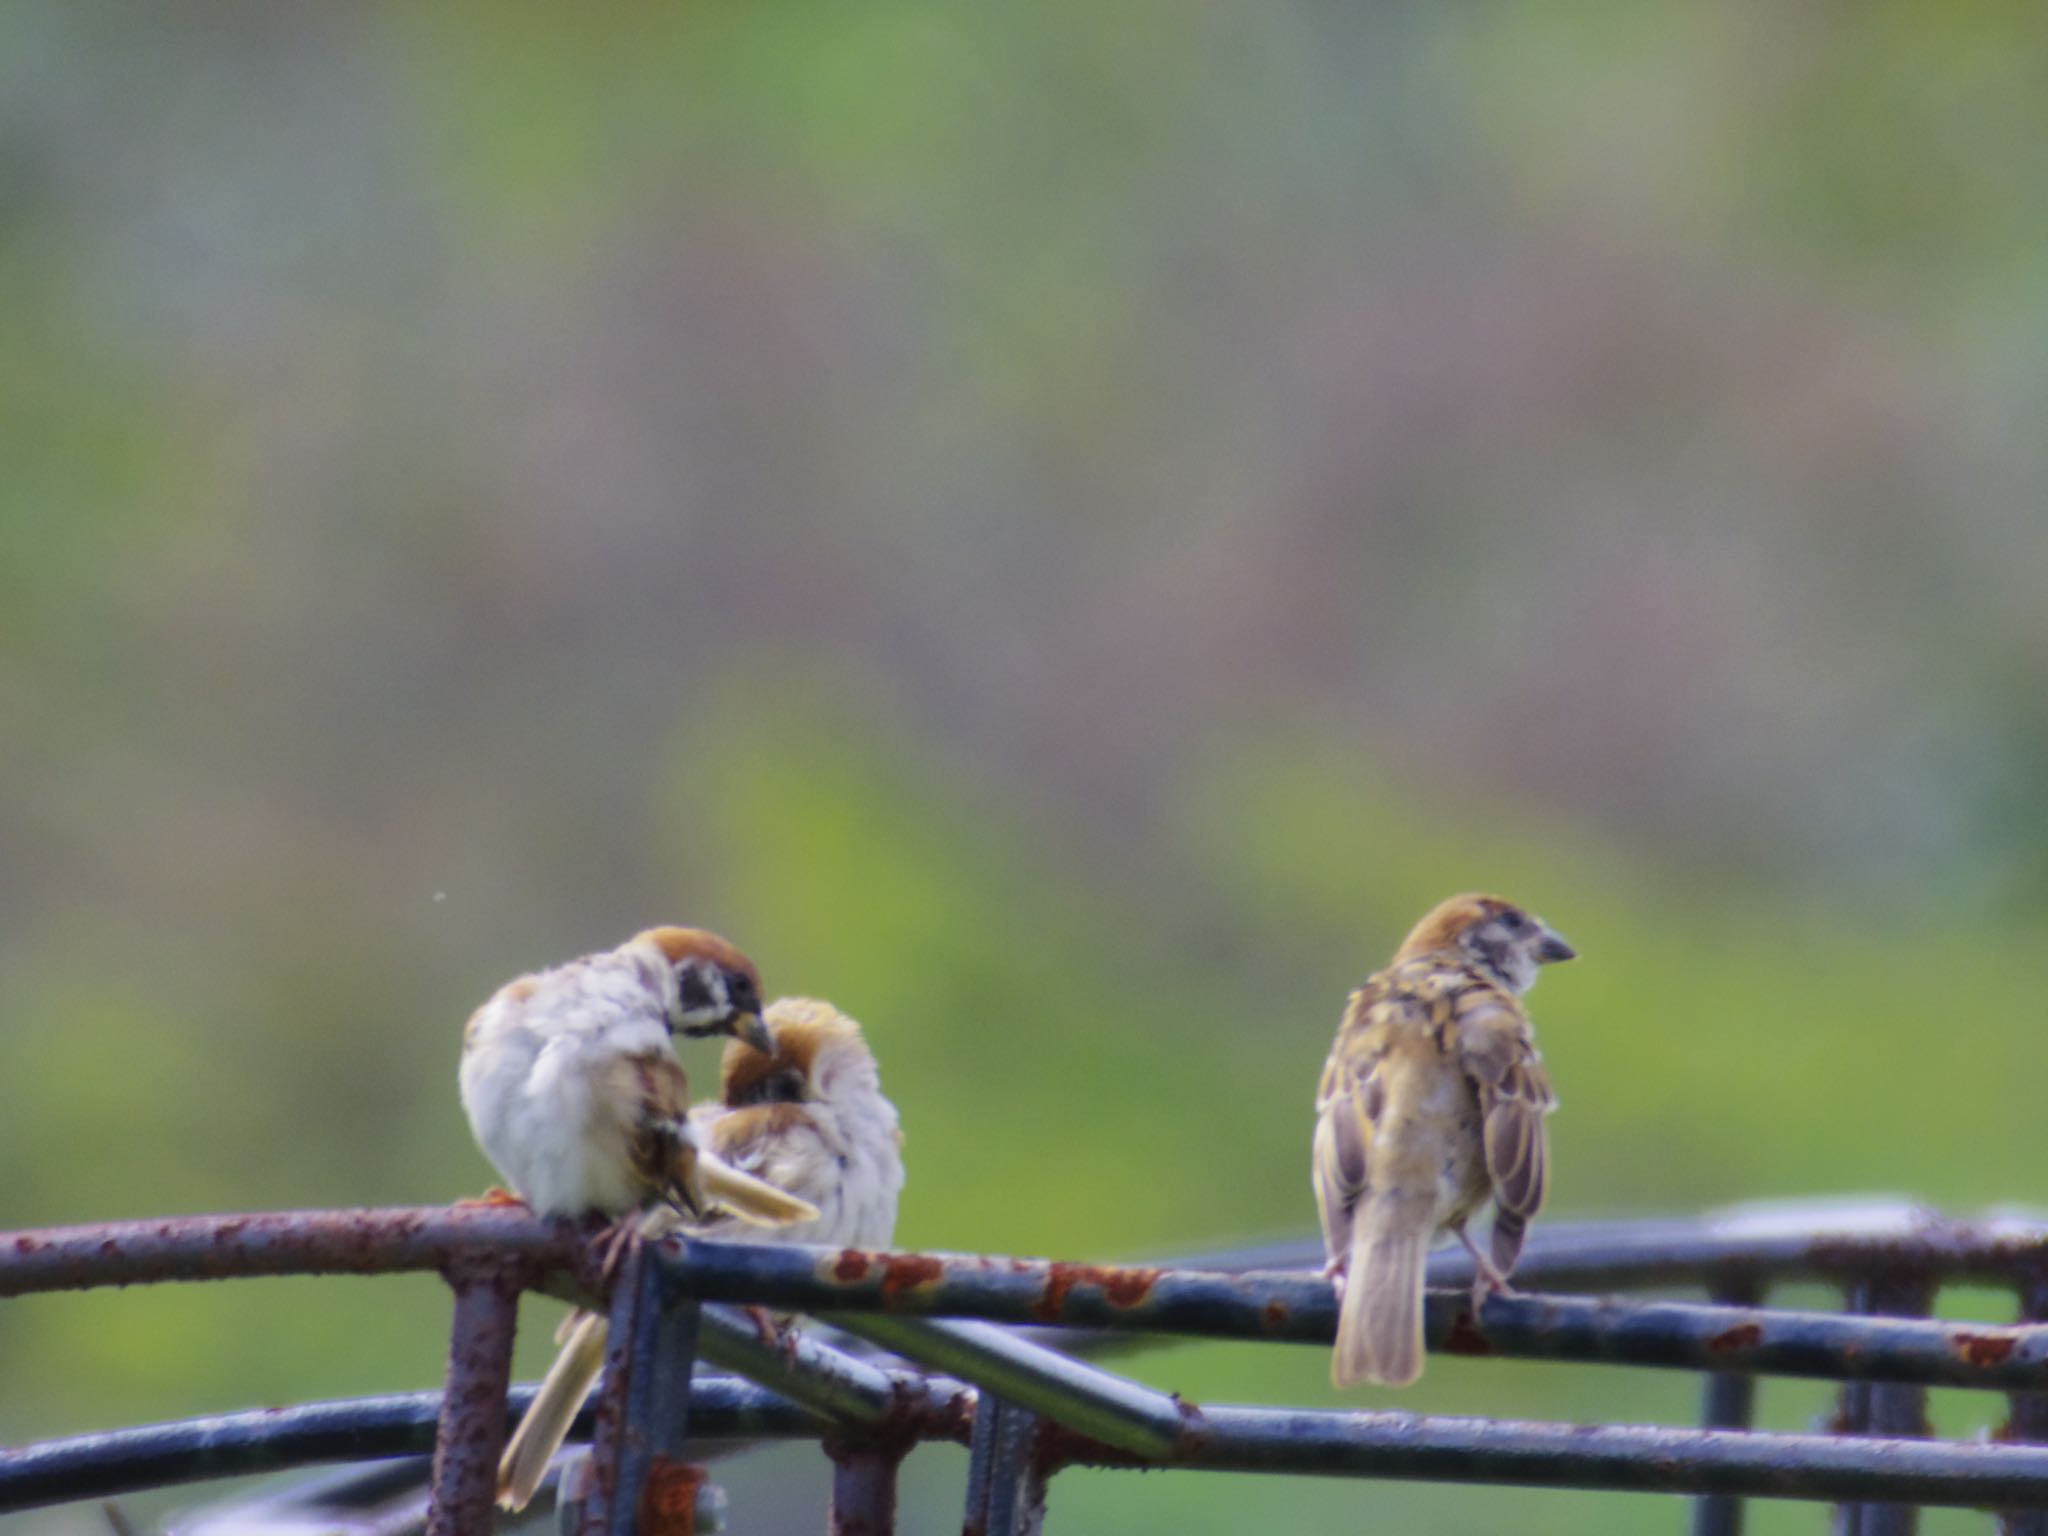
(961,1353)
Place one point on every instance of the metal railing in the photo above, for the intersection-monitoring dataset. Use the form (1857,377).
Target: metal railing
(961,1354)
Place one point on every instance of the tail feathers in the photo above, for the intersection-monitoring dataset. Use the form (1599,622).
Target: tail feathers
(546,1425)
(1379,1330)
(751,1199)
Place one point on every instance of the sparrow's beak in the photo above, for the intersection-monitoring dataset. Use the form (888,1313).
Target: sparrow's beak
(1554,948)
(751,1028)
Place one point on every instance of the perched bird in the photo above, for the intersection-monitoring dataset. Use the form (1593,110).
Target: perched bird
(807,1115)
(1432,1101)
(573,1089)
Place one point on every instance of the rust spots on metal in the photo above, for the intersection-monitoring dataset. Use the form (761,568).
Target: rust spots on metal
(1465,1337)
(668,1499)
(1732,1340)
(851,1265)
(905,1272)
(1274,1315)
(1122,1287)
(1983,1349)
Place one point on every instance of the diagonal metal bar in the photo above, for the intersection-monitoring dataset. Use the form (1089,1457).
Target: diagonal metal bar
(826,1380)
(1300,1308)
(1078,1397)
(471,1429)
(1612,1457)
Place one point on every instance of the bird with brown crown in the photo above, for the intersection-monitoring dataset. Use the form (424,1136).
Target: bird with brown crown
(807,1115)
(571,1083)
(1432,1102)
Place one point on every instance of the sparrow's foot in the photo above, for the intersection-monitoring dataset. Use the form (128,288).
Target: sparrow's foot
(613,1244)
(1487,1280)
(1338,1273)
(496,1195)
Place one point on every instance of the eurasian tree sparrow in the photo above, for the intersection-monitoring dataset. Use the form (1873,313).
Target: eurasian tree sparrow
(808,1116)
(1432,1101)
(573,1089)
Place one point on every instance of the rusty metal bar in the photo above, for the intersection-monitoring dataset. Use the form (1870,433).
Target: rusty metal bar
(640,1482)
(1300,1308)
(1400,1445)
(361,1242)
(723,1409)
(471,1429)
(1080,1398)
(1728,1402)
(863,1488)
(2029,1418)
(1794,1243)
(1890,1410)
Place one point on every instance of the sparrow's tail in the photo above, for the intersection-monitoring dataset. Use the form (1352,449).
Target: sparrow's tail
(751,1199)
(1379,1330)
(546,1425)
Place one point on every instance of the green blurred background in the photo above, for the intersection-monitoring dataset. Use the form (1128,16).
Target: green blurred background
(1061,528)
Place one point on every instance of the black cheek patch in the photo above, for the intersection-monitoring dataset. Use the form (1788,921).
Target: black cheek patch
(692,990)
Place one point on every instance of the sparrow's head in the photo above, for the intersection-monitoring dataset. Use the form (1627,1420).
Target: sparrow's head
(1499,938)
(813,1046)
(717,990)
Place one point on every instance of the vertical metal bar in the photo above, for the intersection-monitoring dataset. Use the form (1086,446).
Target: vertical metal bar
(2029,1420)
(639,1483)
(1887,1409)
(863,1488)
(1005,1481)
(1728,1402)
(472,1426)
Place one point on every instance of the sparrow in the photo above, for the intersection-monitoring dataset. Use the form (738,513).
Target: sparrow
(1432,1101)
(805,1113)
(573,1090)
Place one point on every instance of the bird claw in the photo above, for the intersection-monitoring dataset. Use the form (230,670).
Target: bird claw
(613,1243)
(1338,1273)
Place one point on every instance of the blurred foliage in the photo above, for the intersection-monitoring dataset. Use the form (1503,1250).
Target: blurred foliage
(1062,530)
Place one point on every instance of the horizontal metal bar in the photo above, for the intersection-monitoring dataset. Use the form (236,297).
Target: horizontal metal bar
(1610,1457)
(826,1380)
(358,1242)
(120,1461)
(1218,1439)
(1774,1241)
(1794,1242)
(1300,1308)
(1077,1397)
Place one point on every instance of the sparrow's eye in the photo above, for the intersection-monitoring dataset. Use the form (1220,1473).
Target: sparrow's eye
(786,1088)
(1516,922)
(740,988)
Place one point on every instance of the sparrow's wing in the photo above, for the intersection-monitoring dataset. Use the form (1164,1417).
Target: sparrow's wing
(1498,1052)
(1349,1099)
(776,1143)
(651,1093)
